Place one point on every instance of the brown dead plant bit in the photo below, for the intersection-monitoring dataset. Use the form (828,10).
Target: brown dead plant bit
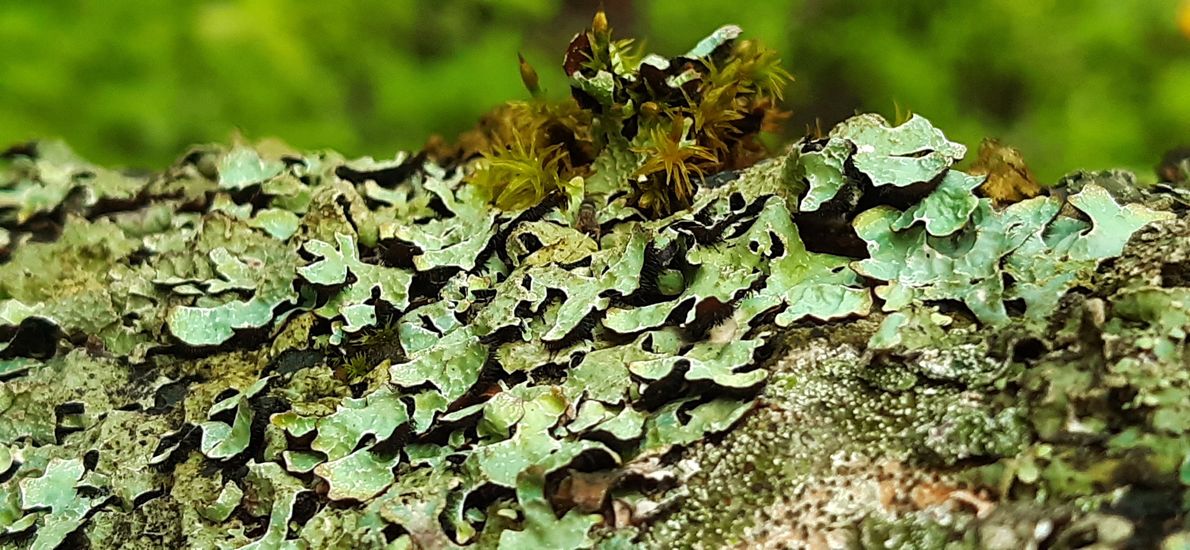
(1009,179)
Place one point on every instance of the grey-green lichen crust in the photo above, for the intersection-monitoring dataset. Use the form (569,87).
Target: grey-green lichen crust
(260,348)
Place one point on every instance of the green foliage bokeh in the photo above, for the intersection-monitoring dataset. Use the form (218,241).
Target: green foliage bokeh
(1085,84)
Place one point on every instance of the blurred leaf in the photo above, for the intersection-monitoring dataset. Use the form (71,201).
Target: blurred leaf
(452,364)
(1112,224)
(358,476)
(946,209)
(242,167)
(332,270)
(542,527)
(911,153)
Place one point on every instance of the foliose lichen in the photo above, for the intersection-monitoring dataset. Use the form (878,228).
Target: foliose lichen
(526,340)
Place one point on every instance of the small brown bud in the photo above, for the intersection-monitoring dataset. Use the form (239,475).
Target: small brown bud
(529,76)
(599,24)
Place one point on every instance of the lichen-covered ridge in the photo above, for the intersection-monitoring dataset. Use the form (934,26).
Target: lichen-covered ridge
(610,321)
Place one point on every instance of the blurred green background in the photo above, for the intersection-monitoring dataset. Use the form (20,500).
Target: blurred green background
(1072,83)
